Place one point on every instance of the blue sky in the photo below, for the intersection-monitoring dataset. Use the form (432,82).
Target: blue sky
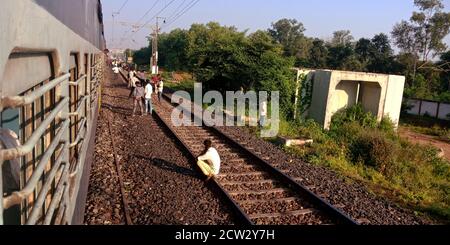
(364,18)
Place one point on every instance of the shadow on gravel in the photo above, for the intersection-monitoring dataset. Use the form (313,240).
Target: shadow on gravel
(118,97)
(122,85)
(165,165)
(116,109)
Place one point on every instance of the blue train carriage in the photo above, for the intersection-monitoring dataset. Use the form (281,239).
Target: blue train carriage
(51,68)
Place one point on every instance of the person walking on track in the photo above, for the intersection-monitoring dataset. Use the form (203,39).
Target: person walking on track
(139,94)
(131,76)
(209,162)
(132,85)
(148,98)
(160,88)
(116,71)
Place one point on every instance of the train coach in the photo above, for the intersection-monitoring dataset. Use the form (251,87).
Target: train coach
(51,67)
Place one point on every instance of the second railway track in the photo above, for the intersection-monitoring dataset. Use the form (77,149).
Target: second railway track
(259,193)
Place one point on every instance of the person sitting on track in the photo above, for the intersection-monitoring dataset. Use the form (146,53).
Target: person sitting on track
(209,162)
(139,94)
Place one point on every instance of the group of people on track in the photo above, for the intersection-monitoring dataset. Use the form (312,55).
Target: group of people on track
(141,90)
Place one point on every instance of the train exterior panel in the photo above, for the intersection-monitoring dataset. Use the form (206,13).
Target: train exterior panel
(51,69)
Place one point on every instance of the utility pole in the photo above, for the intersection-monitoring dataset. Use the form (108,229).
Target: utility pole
(155,56)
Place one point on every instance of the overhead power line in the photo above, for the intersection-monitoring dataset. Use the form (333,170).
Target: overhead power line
(176,10)
(123,6)
(156,15)
(140,19)
(183,11)
(150,20)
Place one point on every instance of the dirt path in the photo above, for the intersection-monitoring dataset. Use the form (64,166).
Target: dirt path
(427,140)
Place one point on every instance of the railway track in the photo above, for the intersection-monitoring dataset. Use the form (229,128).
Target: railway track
(125,203)
(259,193)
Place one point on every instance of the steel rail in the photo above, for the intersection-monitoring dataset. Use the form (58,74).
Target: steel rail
(126,208)
(241,215)
(340,217)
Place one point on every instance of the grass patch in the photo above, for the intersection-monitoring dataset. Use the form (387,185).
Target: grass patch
(358,147)
(427,126)
(185,85)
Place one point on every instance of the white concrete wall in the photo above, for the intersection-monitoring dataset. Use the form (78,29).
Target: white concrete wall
(415,106)
(320,96)
(370,95)
(338,76)
(346,95)
(444,110)
(333,90)
(430,107)
(394,98)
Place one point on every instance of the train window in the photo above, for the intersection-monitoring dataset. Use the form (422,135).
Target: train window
(92,67)
(25,73)
(74,102)
(86,85)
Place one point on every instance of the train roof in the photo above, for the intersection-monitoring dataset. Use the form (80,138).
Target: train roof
(84,17)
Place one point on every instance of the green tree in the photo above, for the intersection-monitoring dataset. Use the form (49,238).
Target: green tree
(318,54)
(172,50)
(142,56)
(290,34)
(444,65)
(218,56)
(423,35)
(343,57)
(341,38)
(364,50)
(382,56)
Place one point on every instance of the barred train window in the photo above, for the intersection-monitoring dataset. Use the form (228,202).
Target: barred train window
(74,103)
(25,73)
(86,85)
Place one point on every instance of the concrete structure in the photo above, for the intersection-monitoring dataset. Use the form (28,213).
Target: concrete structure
(335,90)
(294,142)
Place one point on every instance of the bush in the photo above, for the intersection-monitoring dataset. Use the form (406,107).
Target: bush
(354,114)
(312,130)
(386,125)
(373,149)
(347,133)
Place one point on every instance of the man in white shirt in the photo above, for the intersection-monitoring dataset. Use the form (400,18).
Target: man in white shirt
(148,98)
(209,162)
(116,71)
(160,88)
(131,78)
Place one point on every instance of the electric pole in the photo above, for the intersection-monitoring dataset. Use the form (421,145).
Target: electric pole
(155,56)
